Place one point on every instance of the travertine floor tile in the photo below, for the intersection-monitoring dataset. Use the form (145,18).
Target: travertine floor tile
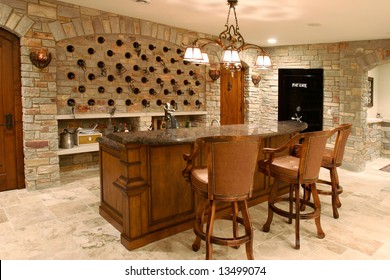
(64,223)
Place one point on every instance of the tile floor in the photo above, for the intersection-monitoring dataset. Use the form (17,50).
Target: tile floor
(64,223)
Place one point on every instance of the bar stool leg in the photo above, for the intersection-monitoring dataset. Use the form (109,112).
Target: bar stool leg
(199,222)
(271,198)
(335,192)
(317,205)
(209,230)
(291,203)
(297,217)
(248,230)
(234,220)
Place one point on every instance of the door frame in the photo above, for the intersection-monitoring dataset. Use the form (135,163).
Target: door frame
(18,118)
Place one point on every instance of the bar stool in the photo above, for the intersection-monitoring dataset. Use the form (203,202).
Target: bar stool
(227,177)
(297,163)
(332,159)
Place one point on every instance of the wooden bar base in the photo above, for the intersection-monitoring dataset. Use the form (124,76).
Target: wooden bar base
(143,193)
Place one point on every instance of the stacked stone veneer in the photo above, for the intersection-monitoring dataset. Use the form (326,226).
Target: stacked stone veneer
(385,139)
(51,24)
(374,141)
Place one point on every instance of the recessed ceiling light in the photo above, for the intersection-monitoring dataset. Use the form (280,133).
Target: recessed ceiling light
(142,1)
(272,41)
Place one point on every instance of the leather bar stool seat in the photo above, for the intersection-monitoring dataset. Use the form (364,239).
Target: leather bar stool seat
(296,163)
(221,170)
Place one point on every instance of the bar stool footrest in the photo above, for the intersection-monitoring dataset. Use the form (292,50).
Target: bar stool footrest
(323,192)
(226,241)
(304,216)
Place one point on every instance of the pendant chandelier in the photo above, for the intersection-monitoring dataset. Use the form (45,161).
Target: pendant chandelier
(231,42)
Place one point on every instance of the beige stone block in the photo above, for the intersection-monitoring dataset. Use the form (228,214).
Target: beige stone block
(88,27)
(68,11)
(173,35)
(57,30)
(36,162)
(146,28)
(27,82)
(69,30)
(106,26)
(49,44)
(178,39)
(123,25)
(24,25)
(78,26)
(43,11)
(89,12)
(32,128)
(5,12)
(98,26)
(13,20)
(47,169)
(137,27)
(48,135)
(114,21)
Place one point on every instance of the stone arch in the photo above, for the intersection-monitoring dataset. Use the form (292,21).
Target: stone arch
(13,22)
(376,57)
(115,24)
(356,58)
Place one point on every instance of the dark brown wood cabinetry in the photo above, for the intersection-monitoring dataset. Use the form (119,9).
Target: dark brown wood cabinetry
(143,192)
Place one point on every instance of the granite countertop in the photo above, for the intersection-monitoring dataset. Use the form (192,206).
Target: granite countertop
(189,135)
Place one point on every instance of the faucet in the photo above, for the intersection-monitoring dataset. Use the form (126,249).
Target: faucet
(217,121)
(72,110)
(168,117)
(112,111)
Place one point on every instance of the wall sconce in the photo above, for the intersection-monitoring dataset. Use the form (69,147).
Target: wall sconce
(256,79)
(40,58)
(214,74)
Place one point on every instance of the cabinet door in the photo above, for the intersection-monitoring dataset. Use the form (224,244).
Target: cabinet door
(232,97)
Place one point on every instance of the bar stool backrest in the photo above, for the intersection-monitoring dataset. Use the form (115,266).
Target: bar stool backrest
(311,152)
(343,132)
(231,164)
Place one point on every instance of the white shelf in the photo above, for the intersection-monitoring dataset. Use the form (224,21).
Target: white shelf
(374,120)
(127,115)
(79,149)
(99,116)
(95,146)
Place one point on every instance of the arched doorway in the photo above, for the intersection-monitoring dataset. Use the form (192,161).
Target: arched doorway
(11,139)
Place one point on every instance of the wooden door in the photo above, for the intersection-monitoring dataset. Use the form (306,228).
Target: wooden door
(232,97)
(11,145)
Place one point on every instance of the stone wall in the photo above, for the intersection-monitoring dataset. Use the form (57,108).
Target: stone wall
(50,23)
(374,141)
(385,147)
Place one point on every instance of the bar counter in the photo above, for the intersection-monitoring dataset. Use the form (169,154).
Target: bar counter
(143,193)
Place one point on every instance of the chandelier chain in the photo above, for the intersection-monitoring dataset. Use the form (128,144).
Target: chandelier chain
(232,43)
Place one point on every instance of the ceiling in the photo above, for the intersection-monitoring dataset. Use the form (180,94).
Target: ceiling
(290,22)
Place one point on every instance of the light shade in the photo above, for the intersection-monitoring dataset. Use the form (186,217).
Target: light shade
(263,61)
(231,60)
(230,56)
(193,54)
(205,59)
